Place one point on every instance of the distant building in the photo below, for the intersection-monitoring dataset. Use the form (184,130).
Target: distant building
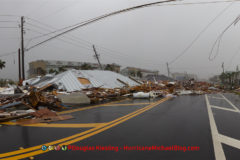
(42,67)
(138,72)
(183,76)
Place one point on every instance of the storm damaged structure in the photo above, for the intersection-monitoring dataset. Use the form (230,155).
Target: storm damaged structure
(76,80)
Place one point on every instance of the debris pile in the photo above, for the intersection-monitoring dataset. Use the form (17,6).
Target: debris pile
(43,116)
(39,98)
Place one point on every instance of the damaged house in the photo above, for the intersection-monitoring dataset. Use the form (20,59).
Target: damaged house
(76,80)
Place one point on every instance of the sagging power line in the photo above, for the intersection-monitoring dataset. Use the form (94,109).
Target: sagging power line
(217,43)
(74,27)
(78,42)
(200,34)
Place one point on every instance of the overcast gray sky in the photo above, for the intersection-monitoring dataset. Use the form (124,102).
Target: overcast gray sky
(146,38)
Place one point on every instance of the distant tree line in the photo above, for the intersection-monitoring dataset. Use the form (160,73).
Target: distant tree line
(2,64)
(230,79)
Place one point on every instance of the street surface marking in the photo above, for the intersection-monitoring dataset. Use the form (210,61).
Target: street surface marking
(219,138)
(81,125)
(215,97)
(60,125)
(230,103)
(90,107)
(117,121)
(75,138)
(75,125)
(9,123)
(127,104)
(218,150)
(223,108)
(230,141)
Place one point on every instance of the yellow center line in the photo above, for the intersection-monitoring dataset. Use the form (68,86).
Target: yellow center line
(59,125)
(90,107)
(55,125)
(110,126)
(57,141)
(9,123)
(127,104)
(93,133)
(75,125)
(77,137)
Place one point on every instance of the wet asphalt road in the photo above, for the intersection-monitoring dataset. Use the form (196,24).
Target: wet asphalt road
(181,121)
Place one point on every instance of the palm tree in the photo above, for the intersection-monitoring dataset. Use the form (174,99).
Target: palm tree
(53,71)
(109,67)
(61,69)
(2,64)
(86,66)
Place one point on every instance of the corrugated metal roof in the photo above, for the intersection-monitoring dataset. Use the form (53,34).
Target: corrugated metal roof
(104,79)
(69,80)
(66,81)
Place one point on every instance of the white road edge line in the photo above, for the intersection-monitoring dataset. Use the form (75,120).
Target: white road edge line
(229,141)
(218,150)
(223,108)
(230,103)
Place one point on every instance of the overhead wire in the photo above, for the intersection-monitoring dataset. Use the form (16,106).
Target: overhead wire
(103,16)
(58,30)
(90,21)
(114,13)
(103,49)
(104,53)
(8,21)
(38,7)
(200,34)
(8,53)
(94,19)
(90,49)
(197,3)
(48,30)
(76,26)
(8,15)
(60,39)
(217,42)
(61,9)
(124,10)
(67,36)
(48,26)
(109,55)
(8,24)
(8,27)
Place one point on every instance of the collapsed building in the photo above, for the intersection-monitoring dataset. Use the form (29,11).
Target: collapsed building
(76,80)
(40,96)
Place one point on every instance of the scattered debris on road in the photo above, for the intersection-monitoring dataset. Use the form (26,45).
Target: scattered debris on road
(35,101)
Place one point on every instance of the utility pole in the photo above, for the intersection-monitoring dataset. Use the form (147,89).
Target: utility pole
(22,47)
(97,57)
(223,66)
(19,65)
(168,70)
(237,76)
